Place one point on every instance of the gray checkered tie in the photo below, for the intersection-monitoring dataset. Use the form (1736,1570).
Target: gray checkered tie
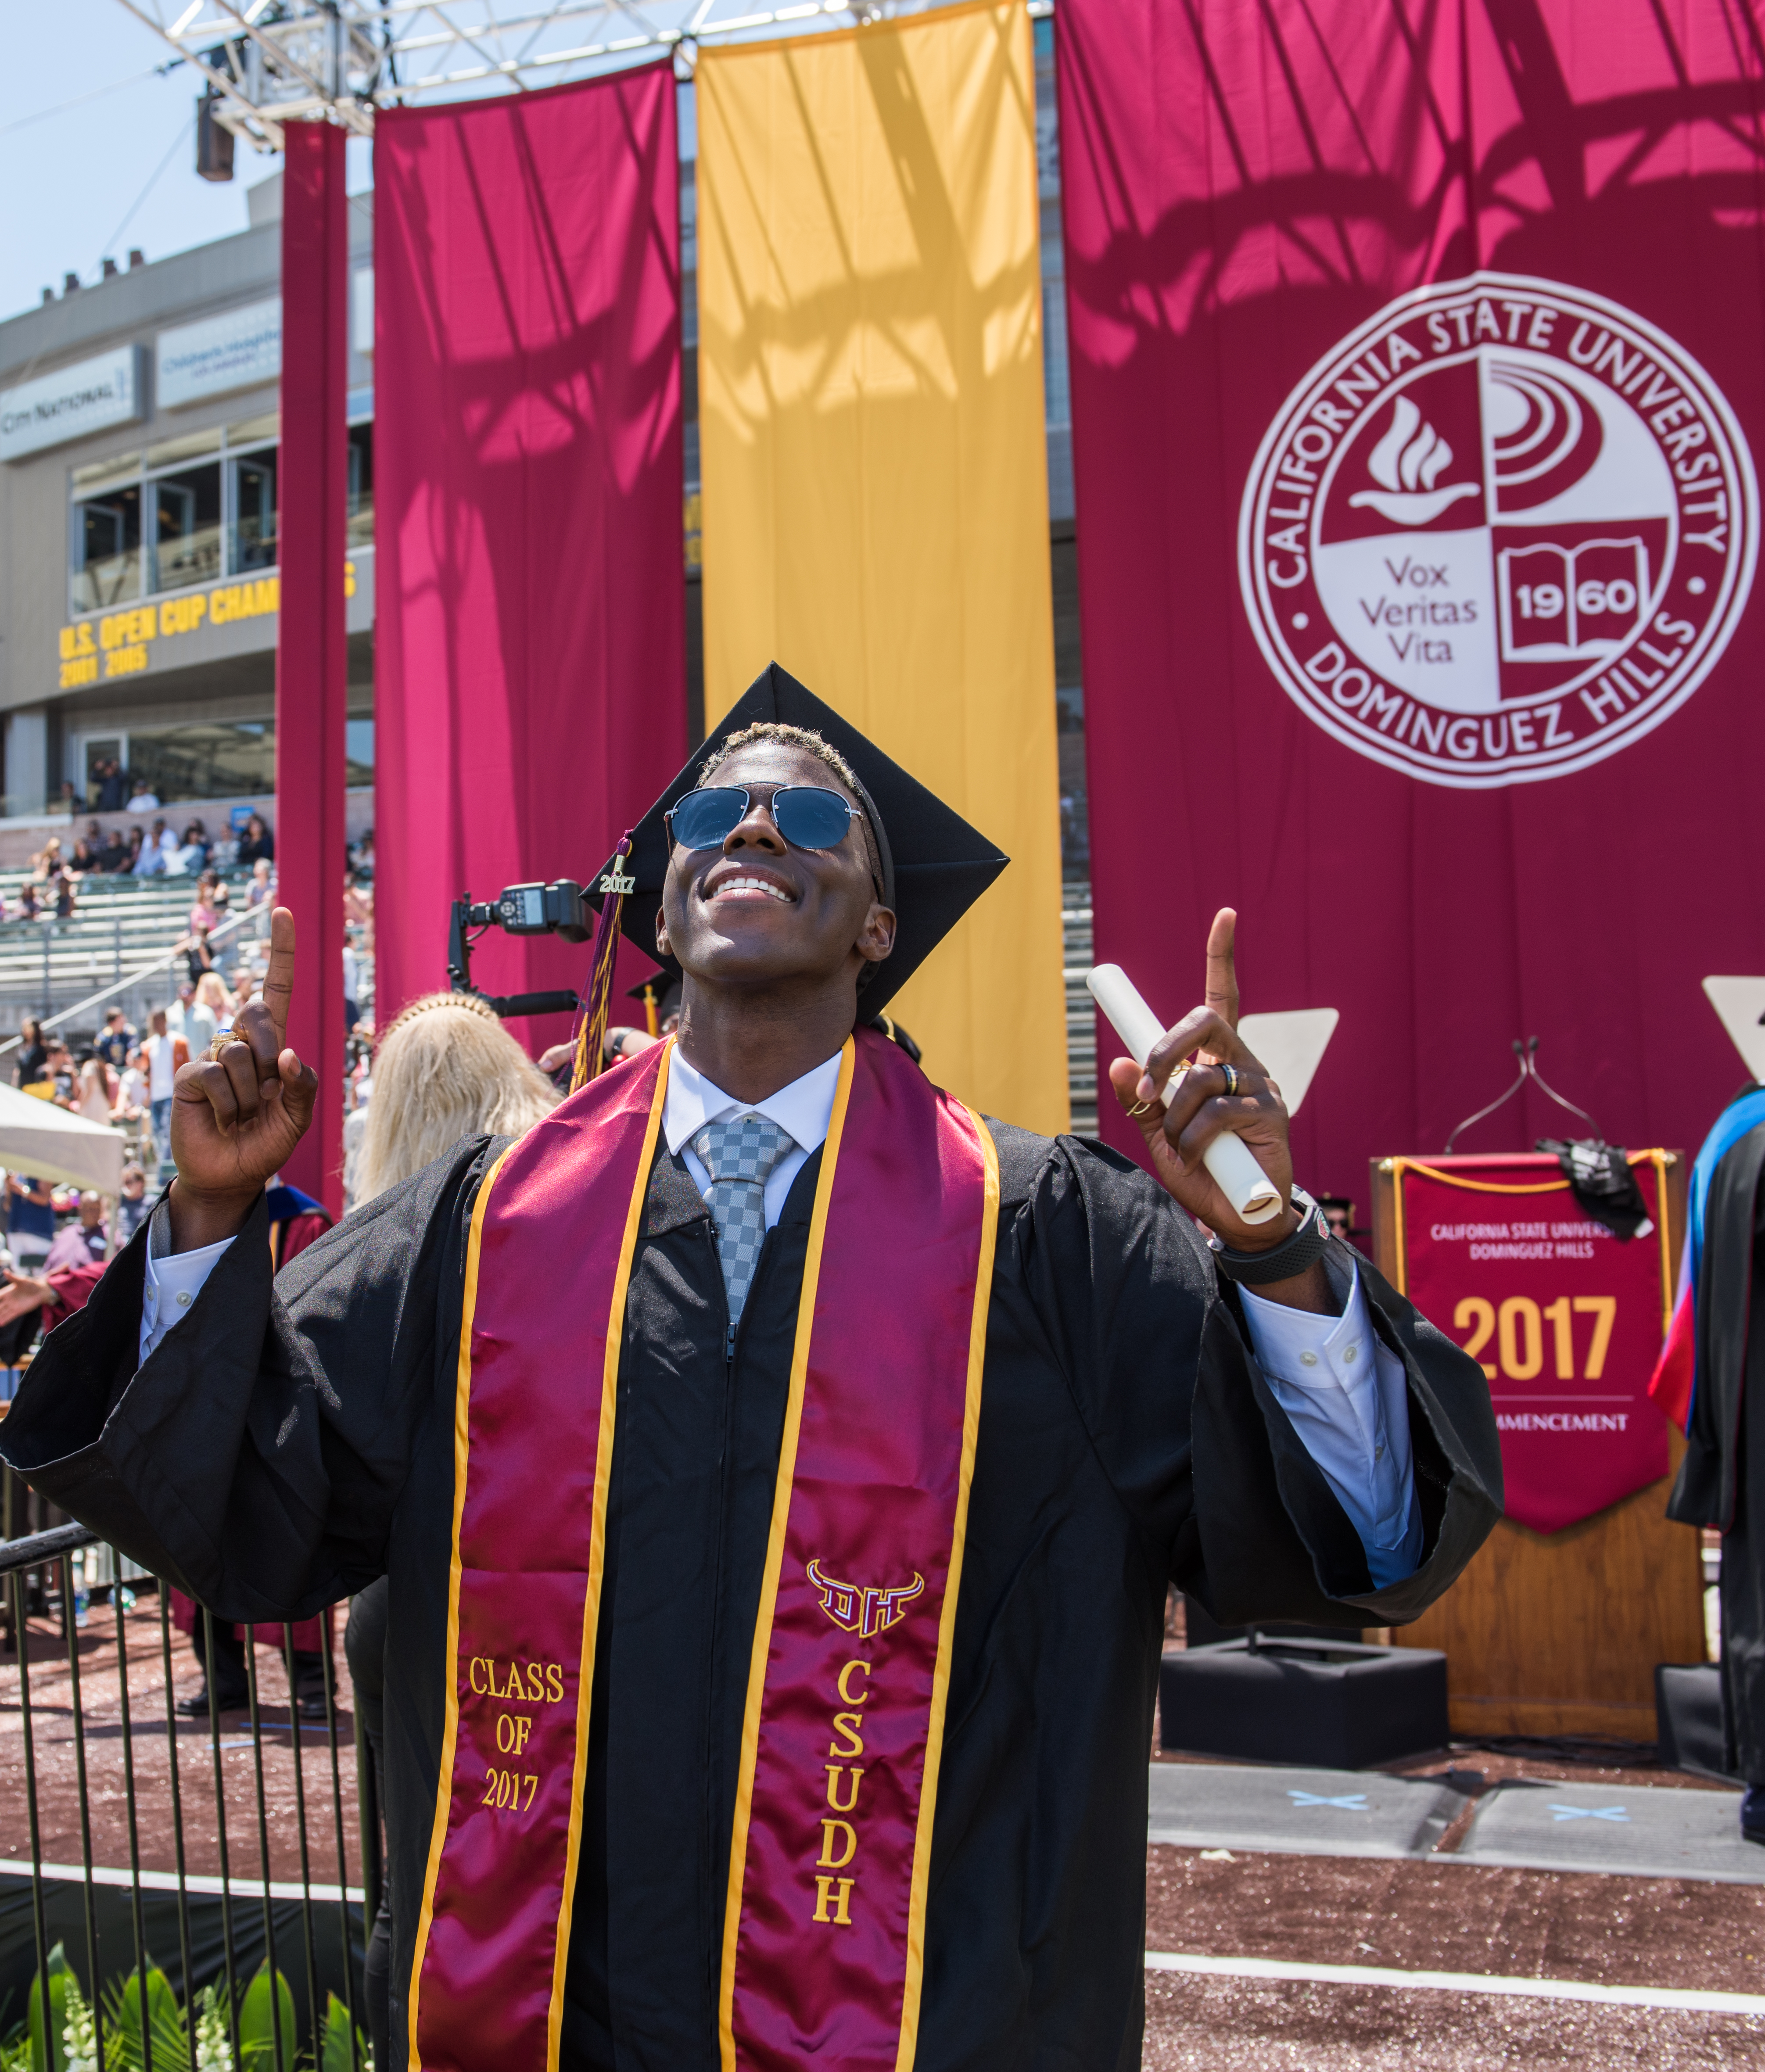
(738,1155)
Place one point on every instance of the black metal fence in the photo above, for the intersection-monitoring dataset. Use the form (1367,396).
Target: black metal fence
(58,1583)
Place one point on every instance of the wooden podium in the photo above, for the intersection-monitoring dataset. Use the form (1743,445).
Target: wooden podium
(1559,1633)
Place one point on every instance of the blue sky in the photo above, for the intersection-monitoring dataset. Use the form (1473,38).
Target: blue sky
(73,174)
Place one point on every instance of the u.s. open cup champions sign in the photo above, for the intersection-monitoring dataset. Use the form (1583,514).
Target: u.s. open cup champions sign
(1501,531)
(1417,379)
(1566,1318)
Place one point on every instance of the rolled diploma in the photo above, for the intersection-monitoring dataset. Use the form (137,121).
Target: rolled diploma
(1252,1194)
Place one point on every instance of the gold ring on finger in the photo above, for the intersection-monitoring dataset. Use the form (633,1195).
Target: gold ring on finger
(1231,1077)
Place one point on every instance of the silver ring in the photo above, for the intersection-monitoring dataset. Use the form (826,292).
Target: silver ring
(1232,1079)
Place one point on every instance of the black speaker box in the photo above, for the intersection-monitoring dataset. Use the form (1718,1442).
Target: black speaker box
(1688,1718)
(1331,1704)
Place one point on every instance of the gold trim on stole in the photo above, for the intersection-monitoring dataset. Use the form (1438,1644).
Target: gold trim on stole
(444,1792)
(775,1560)
(940,1678)
(774,1555)
(597,1546)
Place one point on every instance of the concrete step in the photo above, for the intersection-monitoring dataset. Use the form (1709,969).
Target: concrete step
(1668,1829)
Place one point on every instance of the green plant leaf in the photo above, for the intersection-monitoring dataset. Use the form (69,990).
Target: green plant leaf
(122,2022)
(56,1967)
(170,2037)
(259,2020)
(335,2054)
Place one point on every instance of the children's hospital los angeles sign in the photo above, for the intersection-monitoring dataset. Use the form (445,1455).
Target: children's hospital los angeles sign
(1503,530)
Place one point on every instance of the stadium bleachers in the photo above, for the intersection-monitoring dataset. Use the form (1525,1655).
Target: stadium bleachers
(1081,1014)
(121,925)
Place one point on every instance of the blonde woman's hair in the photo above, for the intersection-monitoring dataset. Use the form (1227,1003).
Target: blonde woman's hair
(211,991)
(445,1068)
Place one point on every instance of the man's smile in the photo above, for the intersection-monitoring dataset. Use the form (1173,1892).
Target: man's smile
(730,880)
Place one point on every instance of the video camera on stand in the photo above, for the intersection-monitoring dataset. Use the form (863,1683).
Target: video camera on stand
(557,909)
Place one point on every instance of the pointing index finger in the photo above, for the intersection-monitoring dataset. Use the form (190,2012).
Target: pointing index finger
(1222,995)
(278,987)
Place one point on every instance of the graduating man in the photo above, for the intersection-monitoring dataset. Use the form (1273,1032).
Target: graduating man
(1710,1381)
(778,1469)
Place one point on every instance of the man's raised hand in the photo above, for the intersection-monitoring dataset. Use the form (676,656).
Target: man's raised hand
(235,1120)
(1203,1108)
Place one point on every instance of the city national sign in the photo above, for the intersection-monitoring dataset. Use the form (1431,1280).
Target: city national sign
(1504,529)
(90,396)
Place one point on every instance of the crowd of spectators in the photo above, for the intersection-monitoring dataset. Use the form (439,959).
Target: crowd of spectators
(123,1076)
(154,850)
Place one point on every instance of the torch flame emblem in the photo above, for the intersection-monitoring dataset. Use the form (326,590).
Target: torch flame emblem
(1407,463)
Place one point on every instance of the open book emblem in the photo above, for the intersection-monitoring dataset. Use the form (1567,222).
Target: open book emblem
(864,1609)
(1572,604)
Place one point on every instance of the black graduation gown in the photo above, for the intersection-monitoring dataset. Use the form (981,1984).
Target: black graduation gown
(1721,1479)
(289,1441)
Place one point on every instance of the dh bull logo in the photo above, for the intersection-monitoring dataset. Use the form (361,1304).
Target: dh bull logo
(865,1609)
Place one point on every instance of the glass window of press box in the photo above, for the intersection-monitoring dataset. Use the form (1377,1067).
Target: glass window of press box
(192,510)
(223,758)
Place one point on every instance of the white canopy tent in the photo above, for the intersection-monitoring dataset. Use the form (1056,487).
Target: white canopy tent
(53,1144)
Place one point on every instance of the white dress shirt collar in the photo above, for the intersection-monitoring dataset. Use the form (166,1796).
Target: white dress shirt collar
(803,1109)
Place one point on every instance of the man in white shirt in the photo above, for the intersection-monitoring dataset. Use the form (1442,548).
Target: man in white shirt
(164,1054)
(1343,1390)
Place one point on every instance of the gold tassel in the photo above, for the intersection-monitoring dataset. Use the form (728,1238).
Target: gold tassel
(591,1034)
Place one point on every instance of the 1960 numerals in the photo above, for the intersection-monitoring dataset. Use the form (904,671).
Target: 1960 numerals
(502,1789)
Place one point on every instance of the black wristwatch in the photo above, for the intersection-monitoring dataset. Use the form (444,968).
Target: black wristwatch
(1281,1262)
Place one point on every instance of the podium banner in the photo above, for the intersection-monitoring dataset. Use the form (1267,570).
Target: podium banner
(1566,1319)
(1416,400)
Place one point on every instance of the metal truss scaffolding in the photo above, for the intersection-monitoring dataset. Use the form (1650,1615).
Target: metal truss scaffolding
(269,62)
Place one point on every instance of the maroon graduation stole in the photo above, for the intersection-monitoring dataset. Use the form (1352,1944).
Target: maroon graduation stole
(823,1932)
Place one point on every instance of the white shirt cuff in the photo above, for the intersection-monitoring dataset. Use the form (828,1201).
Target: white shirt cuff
(1348,1398)
(170,1288)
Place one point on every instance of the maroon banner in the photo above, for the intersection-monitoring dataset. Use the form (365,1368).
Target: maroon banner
(1565,1318)
(1413,405)
(312,665)
(531,644)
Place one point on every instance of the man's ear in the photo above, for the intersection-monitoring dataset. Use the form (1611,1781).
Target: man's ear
(876,938)
(661,934)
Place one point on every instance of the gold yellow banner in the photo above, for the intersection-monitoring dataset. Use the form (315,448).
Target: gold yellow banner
(875,487)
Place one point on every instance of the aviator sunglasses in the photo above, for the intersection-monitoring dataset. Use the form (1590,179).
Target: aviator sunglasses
(808,815)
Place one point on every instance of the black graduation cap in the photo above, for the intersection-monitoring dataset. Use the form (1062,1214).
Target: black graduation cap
(935,865)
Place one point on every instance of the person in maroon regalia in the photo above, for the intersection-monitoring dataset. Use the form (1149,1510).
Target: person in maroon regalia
(779,1468)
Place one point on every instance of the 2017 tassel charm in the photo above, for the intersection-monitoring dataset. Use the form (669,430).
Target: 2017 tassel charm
(591,1030)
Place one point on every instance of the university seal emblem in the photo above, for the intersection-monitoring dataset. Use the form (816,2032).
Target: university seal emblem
(1504,529)
(864,1610)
